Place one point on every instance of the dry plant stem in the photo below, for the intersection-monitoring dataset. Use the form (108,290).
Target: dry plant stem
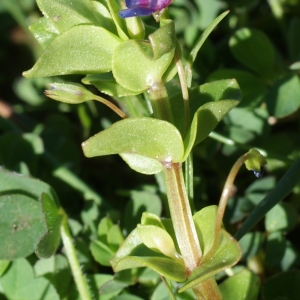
(224,198)
(181,215)
(80,281)
(113,107)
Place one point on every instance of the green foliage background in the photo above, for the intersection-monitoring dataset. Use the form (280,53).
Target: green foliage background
(258,44)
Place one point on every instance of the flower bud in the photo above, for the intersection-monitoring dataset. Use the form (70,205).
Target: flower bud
(255,162)
(69,93)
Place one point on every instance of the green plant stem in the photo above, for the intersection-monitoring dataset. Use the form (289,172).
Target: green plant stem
(80,281)
(224,140)
(189,179)
(189,176)
(224,198)
(113,107)
(207,290)
(181,215)
(184,91)
(160,102)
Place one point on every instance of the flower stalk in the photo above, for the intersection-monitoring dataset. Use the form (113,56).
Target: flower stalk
(70,250)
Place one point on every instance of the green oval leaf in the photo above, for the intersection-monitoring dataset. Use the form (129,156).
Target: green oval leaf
(67,13)
(80,50)
(163,40)
(158,240)
(148,137)
(101,252)
(134,68)
(243,285)
(282,286)
(19,282)
(114,8)
(142,164)
(44,31)
(205,220)
(107,84)
(227,255)
(211,91)
(49,242)
(252,87)
(11,182)
(140,202)
(199,43)
(283,98)
(282,216)
(21,226)
(253,48)
(134,254)
(205,120)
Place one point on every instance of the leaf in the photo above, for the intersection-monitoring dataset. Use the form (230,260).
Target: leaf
(139,203)
(44,31)
(148,137)
(253,48)
(199,44)
(227,255)
(134,68)
(133,254)
(282,217)
(151,219)
(281,190)
(142,164)
(114,8)
(21,225)
(205,120)
(251,244)
(243,285)
(81,49)
(275,248)
(224,89)
(205,220)
(56,269)
(101,252)
(115,237)
(112,285)
(163,40)
(158,240)
(107,84)
(26,220)
(3,266)
(283,98)
(252,87)
(49,242)
(293,42)
(208,92)
(104,226)
(282,286)
(17,183)
(65,14)
(19,283)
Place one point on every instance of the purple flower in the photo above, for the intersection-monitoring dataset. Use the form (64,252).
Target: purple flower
(143,7)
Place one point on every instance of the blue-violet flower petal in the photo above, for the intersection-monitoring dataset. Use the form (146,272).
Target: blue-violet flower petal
(143,7)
